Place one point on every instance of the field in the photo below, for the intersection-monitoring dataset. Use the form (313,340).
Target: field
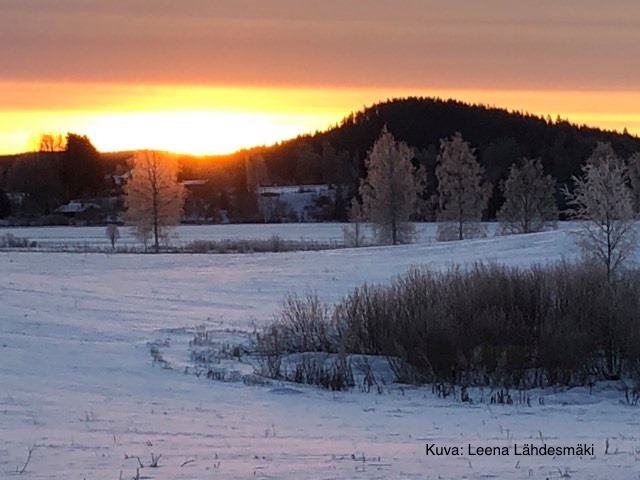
(77,380)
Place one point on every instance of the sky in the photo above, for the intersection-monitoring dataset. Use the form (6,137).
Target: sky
(205,76)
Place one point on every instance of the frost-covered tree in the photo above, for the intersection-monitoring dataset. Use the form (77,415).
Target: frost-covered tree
(602,153)
(529,204)
(142,232)
(634,176)
(462,195)
(354,231)
(153,196)
(390,191)
(603,201)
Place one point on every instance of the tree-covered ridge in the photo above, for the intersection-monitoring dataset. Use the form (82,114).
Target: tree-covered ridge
(500,138)
(62,171)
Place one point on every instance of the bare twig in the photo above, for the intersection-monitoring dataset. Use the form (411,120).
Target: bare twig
(26,463)
(187,462)
(154,460)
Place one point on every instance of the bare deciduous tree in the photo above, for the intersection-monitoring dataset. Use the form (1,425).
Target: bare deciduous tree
(390,191)
(51,142)
(354,231)
(603,201)
(113,234)
(529,202)
(462,195)
(142,233)
(153,196)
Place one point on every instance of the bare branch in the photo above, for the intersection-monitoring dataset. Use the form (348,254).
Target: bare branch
(30,449)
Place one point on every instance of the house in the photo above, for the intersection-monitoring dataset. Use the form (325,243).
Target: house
(81,212)
(287,202)
(200,201)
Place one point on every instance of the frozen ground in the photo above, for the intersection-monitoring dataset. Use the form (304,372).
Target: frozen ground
(77,381)
(95,236)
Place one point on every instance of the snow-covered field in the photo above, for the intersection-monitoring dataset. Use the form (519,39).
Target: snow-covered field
(95,236)
(77,380)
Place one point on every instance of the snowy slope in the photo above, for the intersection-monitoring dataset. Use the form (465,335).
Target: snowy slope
(76,377)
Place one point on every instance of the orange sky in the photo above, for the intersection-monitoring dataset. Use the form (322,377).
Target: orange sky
(207,76)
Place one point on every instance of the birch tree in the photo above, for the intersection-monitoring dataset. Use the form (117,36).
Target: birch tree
(462,195)
(390,191)
(153,196)
(603,201)
(529,204)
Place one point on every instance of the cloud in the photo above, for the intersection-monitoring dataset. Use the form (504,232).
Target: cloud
(415,43)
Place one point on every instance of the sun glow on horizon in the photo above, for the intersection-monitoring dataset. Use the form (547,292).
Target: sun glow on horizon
(219,120)
(198,133)
(195,133)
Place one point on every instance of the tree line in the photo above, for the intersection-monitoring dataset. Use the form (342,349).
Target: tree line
(498,136)
(61,169)
(605,197)
(511,152)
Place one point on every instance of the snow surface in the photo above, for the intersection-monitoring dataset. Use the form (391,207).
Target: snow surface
(77,379)
(95,236)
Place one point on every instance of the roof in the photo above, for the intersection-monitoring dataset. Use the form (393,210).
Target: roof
(194,183)
(75,206)
(284,189)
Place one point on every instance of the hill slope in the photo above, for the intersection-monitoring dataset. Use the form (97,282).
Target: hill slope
(500,137)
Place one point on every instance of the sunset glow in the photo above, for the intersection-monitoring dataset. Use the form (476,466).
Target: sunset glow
(216,120)
(211,77)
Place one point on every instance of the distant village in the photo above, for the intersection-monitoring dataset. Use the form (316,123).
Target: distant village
(206,201)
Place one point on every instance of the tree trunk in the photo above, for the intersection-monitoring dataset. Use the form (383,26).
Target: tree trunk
(394,233)
(156,245)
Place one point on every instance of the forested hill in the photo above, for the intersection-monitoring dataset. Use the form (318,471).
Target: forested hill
(500,137)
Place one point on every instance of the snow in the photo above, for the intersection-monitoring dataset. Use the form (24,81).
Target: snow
(95,236)
(77,379)
(291,189)
(76,207)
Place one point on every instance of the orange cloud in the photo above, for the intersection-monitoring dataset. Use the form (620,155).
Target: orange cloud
(419,44)
(109,69)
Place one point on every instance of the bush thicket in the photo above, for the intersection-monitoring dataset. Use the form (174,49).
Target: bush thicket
(561,324)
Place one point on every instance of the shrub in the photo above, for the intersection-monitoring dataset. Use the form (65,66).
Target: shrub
(274,244)
(489,325)
(9,240)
